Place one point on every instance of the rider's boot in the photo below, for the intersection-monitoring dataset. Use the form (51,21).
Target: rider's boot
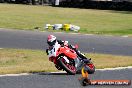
(82,56)
(85,59)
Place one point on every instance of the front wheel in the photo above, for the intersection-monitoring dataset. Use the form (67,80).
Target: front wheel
(90,68)
(68,67)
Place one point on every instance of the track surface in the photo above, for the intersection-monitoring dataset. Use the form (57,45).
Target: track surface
(37,40)
(62,80)
(87,43)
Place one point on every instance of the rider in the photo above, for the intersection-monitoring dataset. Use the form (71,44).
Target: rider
(51,40)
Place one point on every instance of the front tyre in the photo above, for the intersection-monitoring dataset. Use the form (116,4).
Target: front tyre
(68,67)
(90,68)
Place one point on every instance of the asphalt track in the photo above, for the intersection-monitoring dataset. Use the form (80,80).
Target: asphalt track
(87,43)
(43,80)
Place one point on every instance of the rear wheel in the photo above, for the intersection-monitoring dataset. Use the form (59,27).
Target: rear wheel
(68,67)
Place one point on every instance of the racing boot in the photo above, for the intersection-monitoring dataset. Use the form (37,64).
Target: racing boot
(82,56)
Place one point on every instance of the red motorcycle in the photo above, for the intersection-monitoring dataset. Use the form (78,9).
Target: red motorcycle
(67,59)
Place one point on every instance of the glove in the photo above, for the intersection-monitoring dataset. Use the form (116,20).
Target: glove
(71,46)
(65,43)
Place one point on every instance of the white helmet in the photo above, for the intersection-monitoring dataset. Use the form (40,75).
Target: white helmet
(51,40)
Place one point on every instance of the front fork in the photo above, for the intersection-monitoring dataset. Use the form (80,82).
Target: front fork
(79,64)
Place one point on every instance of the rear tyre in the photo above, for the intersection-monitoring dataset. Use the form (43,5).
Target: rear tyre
(69,68)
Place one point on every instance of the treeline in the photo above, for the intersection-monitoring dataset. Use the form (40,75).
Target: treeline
(112,5)
(108,5)
(33,2)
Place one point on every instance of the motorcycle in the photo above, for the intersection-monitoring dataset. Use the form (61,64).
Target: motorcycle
(67,59)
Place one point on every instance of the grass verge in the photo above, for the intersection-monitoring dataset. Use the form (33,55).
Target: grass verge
(27,17)
(28,61)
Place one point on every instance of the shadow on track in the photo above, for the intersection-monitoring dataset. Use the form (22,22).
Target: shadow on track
(50,73)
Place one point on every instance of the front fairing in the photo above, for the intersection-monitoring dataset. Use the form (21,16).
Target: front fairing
(68,52)
(53,51)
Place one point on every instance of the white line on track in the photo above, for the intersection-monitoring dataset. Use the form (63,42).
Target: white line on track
(88,34)
(125,36)
(22,74)
(106,69)
(117,68)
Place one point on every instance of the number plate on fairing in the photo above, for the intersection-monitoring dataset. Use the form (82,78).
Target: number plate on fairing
(53,51)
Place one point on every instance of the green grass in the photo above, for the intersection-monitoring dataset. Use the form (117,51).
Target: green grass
(28,61)
(28,17)
(20,61)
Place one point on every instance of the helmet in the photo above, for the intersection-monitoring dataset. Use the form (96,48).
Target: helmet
(51,40)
